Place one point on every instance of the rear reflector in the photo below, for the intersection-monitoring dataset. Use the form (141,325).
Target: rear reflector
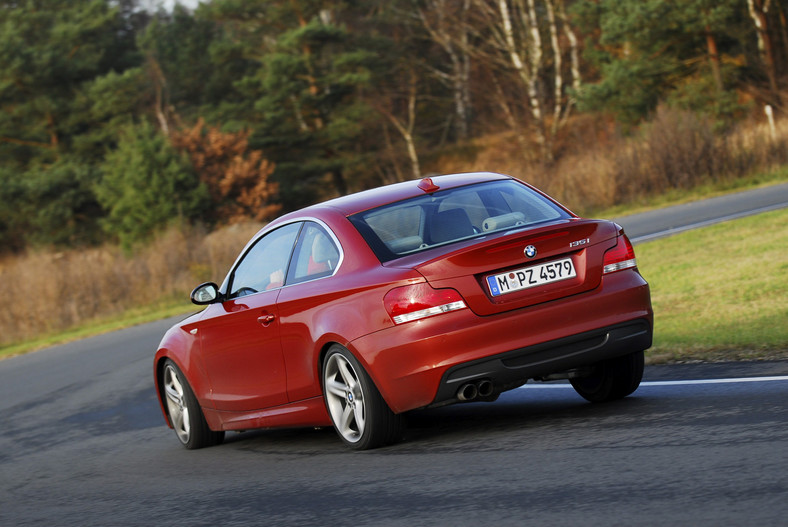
(414,302)
(620,257)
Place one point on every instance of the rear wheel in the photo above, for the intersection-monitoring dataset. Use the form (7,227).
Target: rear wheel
(360,415)
(184,411)
(612,379)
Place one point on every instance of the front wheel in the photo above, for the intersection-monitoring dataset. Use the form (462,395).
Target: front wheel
(184,411)
(360,415)
(612,379)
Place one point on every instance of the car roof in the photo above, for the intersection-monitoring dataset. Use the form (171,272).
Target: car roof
(369,199)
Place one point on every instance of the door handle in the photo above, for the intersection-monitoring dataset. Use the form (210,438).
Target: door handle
(266,320)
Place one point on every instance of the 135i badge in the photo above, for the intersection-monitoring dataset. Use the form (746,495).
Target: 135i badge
(578,243)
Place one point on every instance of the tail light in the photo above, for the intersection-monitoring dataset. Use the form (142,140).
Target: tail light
(414,302)
(620,257)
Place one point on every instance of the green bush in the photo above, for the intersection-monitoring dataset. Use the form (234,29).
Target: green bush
(147,184)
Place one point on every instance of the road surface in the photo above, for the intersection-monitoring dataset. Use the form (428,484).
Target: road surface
(83,443)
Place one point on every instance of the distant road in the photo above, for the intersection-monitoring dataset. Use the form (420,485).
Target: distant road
(679,218)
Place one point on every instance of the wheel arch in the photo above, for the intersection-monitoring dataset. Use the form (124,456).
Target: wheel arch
(158,379)
(321,359)
(177,345)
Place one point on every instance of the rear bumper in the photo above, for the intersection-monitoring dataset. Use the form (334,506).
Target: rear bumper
(511,369)
(423,363)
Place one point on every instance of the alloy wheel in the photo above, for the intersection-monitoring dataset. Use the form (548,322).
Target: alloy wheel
(176,404)
(345,398)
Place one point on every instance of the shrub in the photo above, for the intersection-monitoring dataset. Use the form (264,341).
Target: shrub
(146,184)
(237,178)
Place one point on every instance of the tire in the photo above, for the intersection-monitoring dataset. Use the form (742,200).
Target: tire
(612,379)
(360,416)
(184,411)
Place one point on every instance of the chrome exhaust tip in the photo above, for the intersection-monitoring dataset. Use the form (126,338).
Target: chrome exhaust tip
(484,388)
(467,392)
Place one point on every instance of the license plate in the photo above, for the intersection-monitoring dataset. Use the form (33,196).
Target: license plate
(519,279)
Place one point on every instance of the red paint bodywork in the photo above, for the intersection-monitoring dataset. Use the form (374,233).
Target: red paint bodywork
(249,375)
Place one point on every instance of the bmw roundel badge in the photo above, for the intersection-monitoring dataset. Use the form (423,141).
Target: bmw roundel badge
(530,251)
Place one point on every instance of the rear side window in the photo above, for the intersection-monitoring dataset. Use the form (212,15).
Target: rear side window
(453,215)
(316,255)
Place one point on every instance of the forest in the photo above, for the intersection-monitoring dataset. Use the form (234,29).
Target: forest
(116,121)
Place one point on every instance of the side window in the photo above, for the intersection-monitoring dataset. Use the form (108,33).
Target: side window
(316,255)
(264,266)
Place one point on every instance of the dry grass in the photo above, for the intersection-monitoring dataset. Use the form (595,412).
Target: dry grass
(51,291)
(599,168)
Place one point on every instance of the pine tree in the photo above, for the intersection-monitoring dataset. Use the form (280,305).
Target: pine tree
(146,184)
(51,53)
(653,50)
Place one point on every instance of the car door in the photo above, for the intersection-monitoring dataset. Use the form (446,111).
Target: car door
(304,304)
(240,337)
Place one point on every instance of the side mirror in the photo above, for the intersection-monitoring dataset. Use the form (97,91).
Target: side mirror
(207,293)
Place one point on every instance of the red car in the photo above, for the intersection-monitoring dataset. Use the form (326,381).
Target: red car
(414,295)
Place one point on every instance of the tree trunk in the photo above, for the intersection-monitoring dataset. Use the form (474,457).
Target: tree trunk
(508,115)
(465,73)
(443,31)
(54,140)
(574,54)
(339,181)
(558,77)
(758,10)
(160,86)
(528,73)
(714,60)
(406,129)
(408,132)
(398,176)
(783,29)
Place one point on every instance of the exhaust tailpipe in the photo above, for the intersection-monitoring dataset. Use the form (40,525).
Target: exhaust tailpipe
(467,392)
(484,388)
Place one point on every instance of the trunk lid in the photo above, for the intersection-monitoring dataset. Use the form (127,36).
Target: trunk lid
(467,266)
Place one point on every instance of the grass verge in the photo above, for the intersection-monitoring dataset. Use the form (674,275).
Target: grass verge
(721,292)
(98,326)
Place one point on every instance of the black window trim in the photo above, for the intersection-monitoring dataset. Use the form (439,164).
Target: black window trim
(289,278)
(226,285)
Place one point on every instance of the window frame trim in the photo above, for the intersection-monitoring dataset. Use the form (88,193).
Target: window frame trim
(225,287)
(334,240)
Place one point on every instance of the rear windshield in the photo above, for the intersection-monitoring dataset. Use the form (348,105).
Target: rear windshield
(453,215)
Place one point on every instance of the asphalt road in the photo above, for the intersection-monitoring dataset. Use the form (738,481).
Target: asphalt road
(82,442)
(679,218)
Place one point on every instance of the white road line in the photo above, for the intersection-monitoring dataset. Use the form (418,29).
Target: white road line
(677,383)
(716,381)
